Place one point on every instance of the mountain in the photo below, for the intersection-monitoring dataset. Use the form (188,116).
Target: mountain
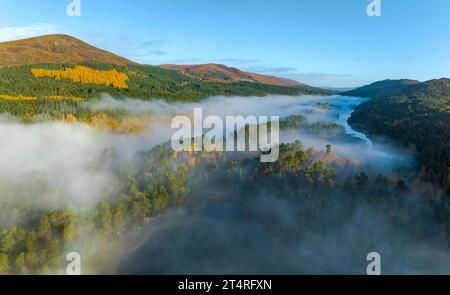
(339,89)
(437,88)
(61,49)
(52,75)
(64,49)
(223,74)
(383,88)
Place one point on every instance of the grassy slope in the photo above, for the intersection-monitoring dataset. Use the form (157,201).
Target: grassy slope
(54,49)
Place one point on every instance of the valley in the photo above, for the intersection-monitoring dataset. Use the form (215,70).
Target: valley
(87,167)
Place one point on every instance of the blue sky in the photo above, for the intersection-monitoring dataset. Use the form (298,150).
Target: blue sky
(318,42)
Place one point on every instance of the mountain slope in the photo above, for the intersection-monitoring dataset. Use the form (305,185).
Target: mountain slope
(383,88)
(64,49)
(412,113)
(54,49)
(49,77)
(437,88)
(223,74)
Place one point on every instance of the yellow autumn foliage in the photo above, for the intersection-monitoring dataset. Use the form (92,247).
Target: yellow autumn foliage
(72,98)
(192,162)
(174,155)
(102,121)
(127,125)
(23,98)
(69,118)
(17,97)
(85,75)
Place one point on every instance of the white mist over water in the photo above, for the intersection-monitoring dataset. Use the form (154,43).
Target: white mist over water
(76,160)
(231,232)
(340,109)
(80,161)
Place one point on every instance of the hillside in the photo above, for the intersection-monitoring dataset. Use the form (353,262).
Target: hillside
(412,113)
(54,49)
(49,77)
(64,49)
(52,91)
(142,81)
(387,88)
(383,88)
(224,74)
(437,88)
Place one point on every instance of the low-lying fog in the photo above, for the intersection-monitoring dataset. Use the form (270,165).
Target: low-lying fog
(219,236)
(338,110)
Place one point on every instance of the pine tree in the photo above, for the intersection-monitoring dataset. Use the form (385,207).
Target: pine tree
(4,264)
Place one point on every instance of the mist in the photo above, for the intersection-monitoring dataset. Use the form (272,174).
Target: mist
(376,153)
(262,234)
(76,160)
(237,232)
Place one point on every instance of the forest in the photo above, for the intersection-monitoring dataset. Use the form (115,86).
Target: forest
(34,238)
(418,116)
(50,92)
(145,82)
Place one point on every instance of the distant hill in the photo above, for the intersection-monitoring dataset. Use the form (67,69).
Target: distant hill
(339,89)
(60,49)
(223,74)
(437,88)
(383,88)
